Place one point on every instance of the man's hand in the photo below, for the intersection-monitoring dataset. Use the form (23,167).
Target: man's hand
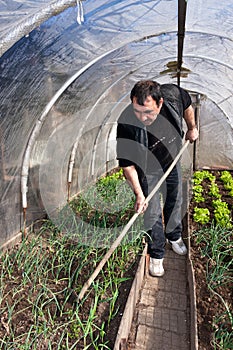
(192,134)
(131,176)
(140,205)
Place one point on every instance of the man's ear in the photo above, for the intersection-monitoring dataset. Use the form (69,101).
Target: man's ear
(161,102)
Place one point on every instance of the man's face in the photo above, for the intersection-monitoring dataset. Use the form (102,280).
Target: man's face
(147,113)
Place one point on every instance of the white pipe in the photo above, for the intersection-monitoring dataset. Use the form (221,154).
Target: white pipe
(34,21)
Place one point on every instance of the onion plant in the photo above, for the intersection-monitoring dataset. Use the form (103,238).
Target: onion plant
(215,244)
(42,277)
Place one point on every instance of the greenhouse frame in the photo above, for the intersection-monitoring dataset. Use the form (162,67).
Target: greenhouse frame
(67,69)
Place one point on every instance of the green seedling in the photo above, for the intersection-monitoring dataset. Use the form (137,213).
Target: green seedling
(197,194)
(214,190)
(222,213)
(201,215)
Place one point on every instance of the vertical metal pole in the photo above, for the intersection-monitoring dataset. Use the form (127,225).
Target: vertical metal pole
(197,120)
(182,4)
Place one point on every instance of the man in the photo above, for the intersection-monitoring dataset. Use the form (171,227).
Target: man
(149,136)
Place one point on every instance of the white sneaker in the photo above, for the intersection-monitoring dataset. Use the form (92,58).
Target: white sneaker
(156,267)
(179,247)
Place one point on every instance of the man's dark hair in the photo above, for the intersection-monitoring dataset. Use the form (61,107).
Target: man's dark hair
(144,88)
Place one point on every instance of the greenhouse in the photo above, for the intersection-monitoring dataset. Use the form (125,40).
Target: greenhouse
(67,69)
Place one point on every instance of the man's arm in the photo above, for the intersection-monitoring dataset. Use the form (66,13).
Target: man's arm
(192,133)
(131,176)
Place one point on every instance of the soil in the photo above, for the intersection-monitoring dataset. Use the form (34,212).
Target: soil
(209,305)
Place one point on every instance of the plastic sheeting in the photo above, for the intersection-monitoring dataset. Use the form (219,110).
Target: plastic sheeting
(118,43)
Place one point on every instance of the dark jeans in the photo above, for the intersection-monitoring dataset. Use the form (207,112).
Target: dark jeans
(162,218)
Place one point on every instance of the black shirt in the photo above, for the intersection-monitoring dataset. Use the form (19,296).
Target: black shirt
(159,142)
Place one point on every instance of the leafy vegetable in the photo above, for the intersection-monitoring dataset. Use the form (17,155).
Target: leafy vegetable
(227,181)
(214,190)
(200,175)
(197,194)
(222,213)
(201,215)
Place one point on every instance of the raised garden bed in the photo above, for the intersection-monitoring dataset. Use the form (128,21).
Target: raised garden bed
(41,279)
(40,282)
(212,257)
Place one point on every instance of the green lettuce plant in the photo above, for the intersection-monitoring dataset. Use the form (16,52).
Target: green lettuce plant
(214,190)
(197,194)
(200,175)
(227,180)
(222,213)
(201,215)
